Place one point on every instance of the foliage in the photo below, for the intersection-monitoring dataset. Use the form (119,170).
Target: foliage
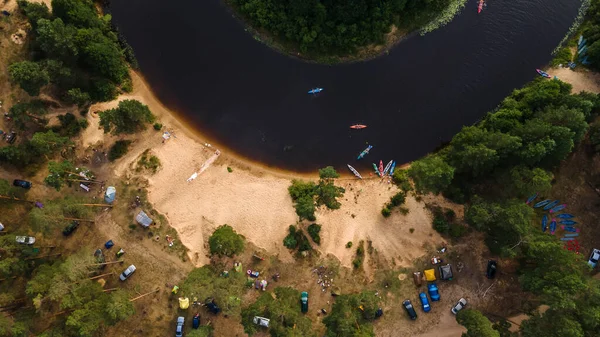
(328,173)
(149,162)
(70,126)
(118,149)
(25,114)
(431,174)
(346,320)
(360,255)
(386,212)
(401,180)
(29,76)
(313,231)
(207,282)
(290,240)
(336,28)
(349,244)
(58,171)
(52,215)
(76,96)
(307,196)
(454,7)
(129,117)
(297,239)
(477,325)
(157,126)
(225,241)
(563,56)
(282,307)
(595,136)
(202,331)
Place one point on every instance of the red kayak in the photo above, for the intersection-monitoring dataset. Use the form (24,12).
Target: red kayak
(480,7)
(381,167)
(358,126)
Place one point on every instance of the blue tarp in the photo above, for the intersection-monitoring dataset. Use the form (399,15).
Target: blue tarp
(143,219)
(109,196)
(109,244)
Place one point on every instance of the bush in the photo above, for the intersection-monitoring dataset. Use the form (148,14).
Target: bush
(290,240)
(595,136)
(411,230)
(129,117)
(563,56)
(398,199)
(349,244)
(151,163)
(441,225)
(403,210)
(313,231)
(360,255)
(118,150)
(402,181)
(457,230)
(229,169)
(386,212)
(225,241)
(157,126)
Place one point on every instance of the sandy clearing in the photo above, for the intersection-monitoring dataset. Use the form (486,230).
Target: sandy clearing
(11,5)
(581,79)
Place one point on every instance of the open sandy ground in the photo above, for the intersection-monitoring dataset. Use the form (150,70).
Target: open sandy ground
(581,79)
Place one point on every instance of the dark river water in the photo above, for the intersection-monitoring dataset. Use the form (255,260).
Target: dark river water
(201,63)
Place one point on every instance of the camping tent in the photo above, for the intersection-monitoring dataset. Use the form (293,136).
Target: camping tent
(143,219)
(417,278)
(109,196)
(184,302)
(430,275)
(446,272)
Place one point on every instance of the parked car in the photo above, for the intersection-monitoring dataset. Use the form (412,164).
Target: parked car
(22,183)
(11,137)
(127,273)
(424,302)
(491,269)
(409,309)
(26,240)
(594,257)
(261,321)
(304,301)
(433,292)
(179,329)
(378,313)
(212,306)
(71,228)
(459,306)
(196,321)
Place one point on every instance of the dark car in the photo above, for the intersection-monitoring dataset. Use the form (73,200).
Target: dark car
(22,183)
(196,321)
(409,309)
(304,301)
(71,228)
(491,269)
(11,137)
(212,306)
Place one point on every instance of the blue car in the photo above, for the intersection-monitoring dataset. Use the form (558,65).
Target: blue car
(433,292)
(424,302)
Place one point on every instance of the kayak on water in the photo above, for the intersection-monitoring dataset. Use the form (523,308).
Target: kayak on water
(365,152)
(565,216)
(381,168)
(570,229)
(541,203)
(531,198)
(543,73)
(392,168)
(558,208)
(315,90)
(376,170)
(568,222)
(480,7)
(358,126)
(544,223)
(551,205)
(553,226)
(386,170)
(354,171)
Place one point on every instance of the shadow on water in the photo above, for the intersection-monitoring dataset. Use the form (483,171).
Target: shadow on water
(200,62)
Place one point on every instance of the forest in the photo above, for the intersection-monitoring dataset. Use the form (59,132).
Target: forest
(336,27)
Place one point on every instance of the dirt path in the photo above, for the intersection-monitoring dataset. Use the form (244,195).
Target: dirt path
(581,79)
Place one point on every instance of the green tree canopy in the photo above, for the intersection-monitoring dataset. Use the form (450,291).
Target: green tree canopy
(29,76)
(58,172)
(129,117)
(477,325)
(225,241)
(431,174)
(346,319)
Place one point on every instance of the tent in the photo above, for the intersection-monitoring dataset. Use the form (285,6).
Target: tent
(143,219)
(184,302)
(430,275)
(446,272)
(109,196)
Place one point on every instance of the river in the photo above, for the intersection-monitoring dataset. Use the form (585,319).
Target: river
(201,62)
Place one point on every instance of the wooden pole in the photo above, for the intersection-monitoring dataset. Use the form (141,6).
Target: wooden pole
(99,276)
(105,263)
(41,257)
(4,279)
(101,205)
(84,181)
(71,219)
(15,199)
(111,289)
(137,298)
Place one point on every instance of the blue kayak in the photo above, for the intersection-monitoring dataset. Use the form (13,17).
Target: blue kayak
(571,235)
(558,208)
(550,205)
(568,222)
(365,152)
(565,216)
(315,90)
(570,229)
(541,203)
(393,168)
(531,198)
(544,223)
(552,226)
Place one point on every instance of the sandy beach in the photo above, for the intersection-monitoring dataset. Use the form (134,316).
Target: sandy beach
(253,199)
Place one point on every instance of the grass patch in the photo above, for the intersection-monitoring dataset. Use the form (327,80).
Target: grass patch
(148,162)
(360,255)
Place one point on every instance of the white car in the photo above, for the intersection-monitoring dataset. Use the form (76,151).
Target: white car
(125,275)
(261,321)
(594,257)
(459,306)
(26,240)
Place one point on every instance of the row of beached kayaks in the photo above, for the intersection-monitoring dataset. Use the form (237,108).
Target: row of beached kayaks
(564,219)
(380,171)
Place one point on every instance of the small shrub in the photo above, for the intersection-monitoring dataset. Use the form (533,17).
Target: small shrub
(118,150)
(225,241)
(450,215)
(398,199)
(457,230)
(290,240)
(386,212)
(349,244)
(441,225)
(157,126)
(229,169)
(303,243)
(360,255)
(403,210)
(313,231)
(132,226)
(151,163)
(411,230)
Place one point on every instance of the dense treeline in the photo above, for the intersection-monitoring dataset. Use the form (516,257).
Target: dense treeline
(75,50)
(494,166)
(591,32)
(336,26)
